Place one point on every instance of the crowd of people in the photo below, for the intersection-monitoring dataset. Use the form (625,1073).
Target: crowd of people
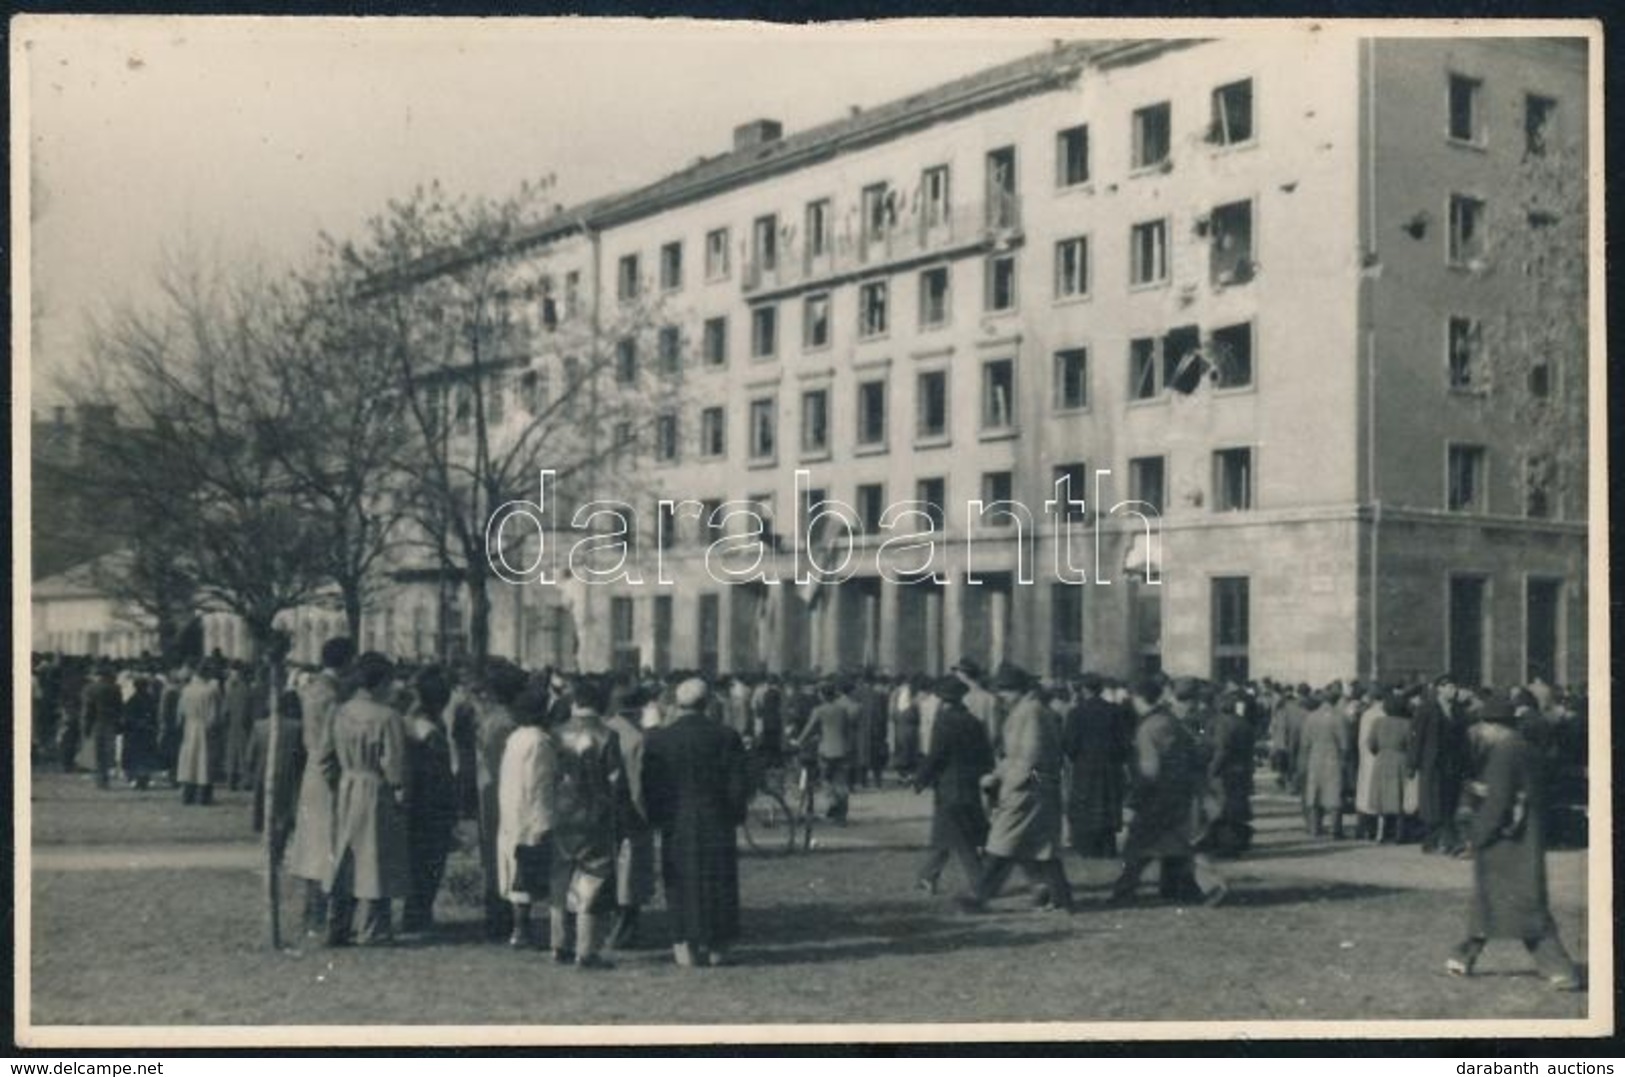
(589,789)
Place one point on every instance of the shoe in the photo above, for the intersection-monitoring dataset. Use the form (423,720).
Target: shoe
(519,940)
(1455,966)
(926,886)
(592,963)
(564,957)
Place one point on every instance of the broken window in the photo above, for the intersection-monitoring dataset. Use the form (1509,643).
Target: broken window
(872,309)
(1539,121)
(1466,229)
(815,321)
(1232,480)
(1182,367)
(998,394)
(1231,354)
(1145,480)
(933,297)
(1232,121)
(1230,249)
(1465,338)
(1142,368)
(815,421)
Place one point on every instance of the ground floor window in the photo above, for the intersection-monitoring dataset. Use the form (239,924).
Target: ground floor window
(662,633)
(1066,629)
(1467,630)
(1231,613)
(710,633)
(1146,614)
(625,654)
(1543,604)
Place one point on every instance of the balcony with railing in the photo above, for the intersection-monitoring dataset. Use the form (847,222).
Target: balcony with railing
(795,265)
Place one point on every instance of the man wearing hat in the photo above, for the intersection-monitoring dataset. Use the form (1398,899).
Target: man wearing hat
(311,851)
(1324,745)
(983,705)
(953,770)
(1508,839)
(1025,825)
(1438,759)
(1166,780)
(695,789)
(200,716)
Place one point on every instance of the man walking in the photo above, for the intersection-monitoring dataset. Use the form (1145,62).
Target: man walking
(1025,824)
(953,770)
(1093,741)
(311,852)
(833,725)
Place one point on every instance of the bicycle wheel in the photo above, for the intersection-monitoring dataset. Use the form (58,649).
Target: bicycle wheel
(769,827)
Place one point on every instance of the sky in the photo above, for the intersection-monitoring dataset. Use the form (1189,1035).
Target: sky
(153,137)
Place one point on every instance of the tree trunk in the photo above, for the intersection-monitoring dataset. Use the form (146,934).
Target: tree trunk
(479,619)
(351,597)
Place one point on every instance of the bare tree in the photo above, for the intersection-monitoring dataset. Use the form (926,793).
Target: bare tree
(202,463)
(1535,345)
(495,382)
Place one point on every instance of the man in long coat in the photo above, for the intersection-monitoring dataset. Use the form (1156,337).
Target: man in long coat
(1438,760)
(1324,745)
(1025,824)
(953,769)
(310,854)
(199,709)
(431,807)
(696,788)
(1509,857)
(1230,775)
(367,750)
(983,705)
(1093,741)
(1167,779)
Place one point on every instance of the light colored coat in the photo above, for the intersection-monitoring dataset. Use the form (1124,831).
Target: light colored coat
(1368,759)
(311,854)
(1026,819)
(524,802)
(200,717)
(370,855)
(1324,744)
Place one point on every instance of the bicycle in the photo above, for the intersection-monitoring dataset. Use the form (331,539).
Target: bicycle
(772,826)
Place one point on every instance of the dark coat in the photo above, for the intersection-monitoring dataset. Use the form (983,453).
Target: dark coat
(1095,739)
(1439,759)
(959,756)
(141,731)
(431,801)
(290,750)
(695,788)
(1230,766)
(1167,780)
(1509,861)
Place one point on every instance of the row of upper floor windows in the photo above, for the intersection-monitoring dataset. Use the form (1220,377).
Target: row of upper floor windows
(883,207)
(1178,362)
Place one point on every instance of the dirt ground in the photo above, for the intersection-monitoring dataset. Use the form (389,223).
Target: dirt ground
(147,913)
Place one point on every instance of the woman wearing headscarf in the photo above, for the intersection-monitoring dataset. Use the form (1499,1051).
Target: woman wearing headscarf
(1508,840)
(586,787)
(1388,740)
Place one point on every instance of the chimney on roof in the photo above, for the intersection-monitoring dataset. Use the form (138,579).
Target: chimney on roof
(757,133)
